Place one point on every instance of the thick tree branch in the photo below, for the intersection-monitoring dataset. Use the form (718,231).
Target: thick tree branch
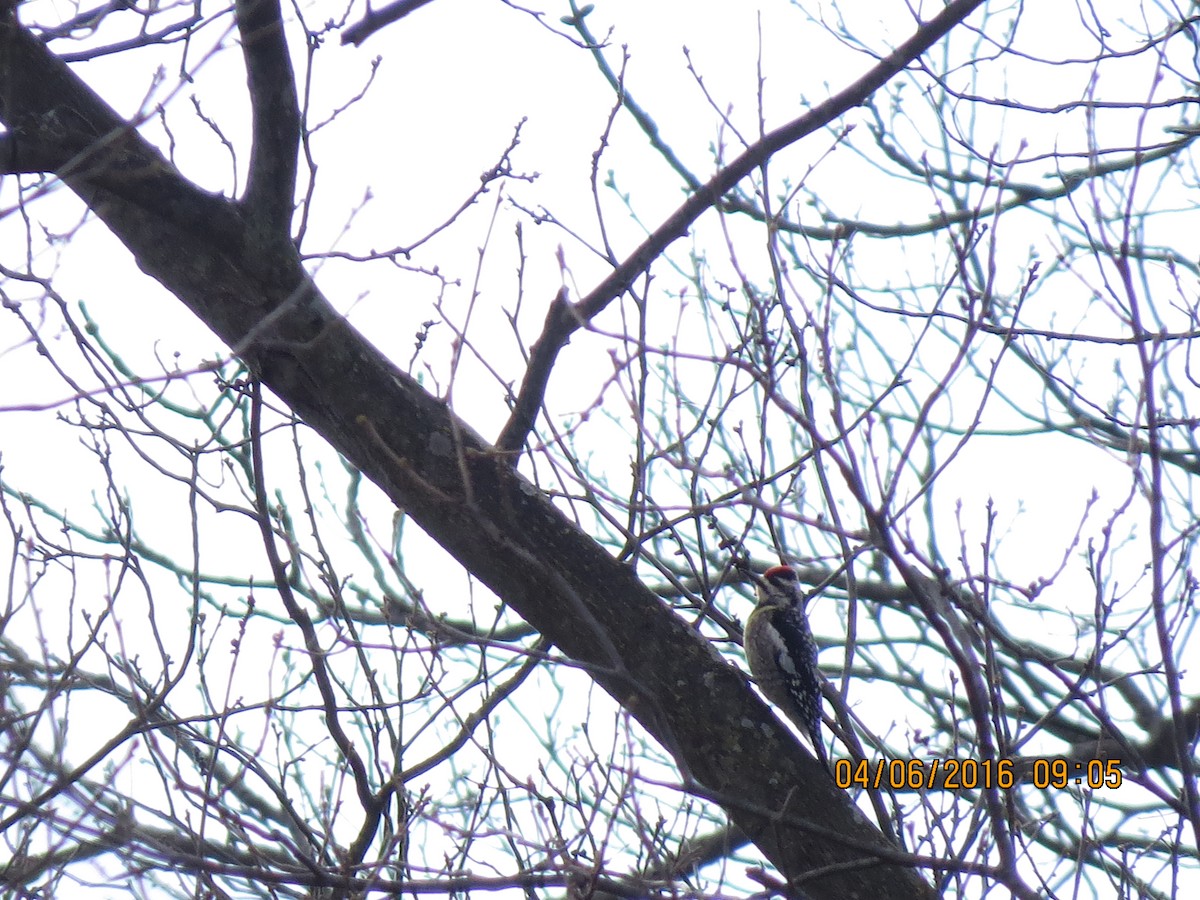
(378,18)
(43,103)
(271,187)
(21,155)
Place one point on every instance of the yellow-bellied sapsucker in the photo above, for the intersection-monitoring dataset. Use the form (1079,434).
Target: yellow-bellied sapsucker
(782,654)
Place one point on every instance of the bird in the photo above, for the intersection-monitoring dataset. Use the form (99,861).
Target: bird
(782,654)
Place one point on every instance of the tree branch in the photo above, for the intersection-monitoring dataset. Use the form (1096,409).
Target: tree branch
(271,186)
(562,323)
(376,19)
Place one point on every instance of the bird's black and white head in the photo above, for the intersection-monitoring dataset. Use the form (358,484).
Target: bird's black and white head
(779,586)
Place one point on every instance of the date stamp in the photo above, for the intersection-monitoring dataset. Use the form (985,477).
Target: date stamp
(975,774)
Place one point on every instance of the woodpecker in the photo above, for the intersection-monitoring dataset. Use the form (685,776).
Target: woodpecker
(782,654)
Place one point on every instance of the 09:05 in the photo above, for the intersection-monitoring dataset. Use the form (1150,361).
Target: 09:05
(1056,773)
